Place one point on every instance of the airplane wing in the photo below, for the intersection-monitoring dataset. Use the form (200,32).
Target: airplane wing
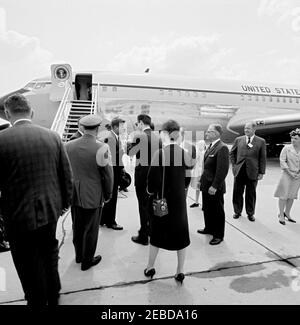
(266,125)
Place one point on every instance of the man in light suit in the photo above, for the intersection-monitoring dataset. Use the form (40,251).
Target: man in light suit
(93,182)
(36,188)
(212,185)
(248,158)
(109,210)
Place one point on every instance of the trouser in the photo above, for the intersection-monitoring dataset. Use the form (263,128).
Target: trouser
(143,201)
(108,216)
(242,181)
(214,215)
(35,255)
(85,232)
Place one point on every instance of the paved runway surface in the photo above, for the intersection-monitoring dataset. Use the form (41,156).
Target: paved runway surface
(257,263)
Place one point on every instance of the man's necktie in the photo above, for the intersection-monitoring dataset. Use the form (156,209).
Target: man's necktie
(248,140)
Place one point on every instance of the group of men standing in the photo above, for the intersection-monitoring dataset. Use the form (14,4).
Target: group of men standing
(248,159)
(40,178)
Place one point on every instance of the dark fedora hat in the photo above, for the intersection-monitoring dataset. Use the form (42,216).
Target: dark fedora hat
(125,180)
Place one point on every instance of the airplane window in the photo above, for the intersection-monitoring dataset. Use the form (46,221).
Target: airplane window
(291,99)
(162,92)
(284,99)
(114,89)
(242,97)
(187,94)
(204,95)
(195,94)
(256,98)
(170,93)
(104,88)
(178,92)
(271,98)
(263,98)
(30,85)
(278,99)
(297,100)
(39,85)
(249,97)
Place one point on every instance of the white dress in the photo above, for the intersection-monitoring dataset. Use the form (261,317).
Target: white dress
(288,186)
(197,170)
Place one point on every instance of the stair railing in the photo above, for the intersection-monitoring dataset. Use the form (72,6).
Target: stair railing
(62,113)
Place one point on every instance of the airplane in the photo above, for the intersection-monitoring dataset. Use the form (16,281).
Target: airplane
(195,103)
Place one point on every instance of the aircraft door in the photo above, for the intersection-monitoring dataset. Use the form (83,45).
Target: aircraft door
(83,86)
(61,77)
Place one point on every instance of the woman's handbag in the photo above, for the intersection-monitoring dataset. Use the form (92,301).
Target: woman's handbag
(160,206)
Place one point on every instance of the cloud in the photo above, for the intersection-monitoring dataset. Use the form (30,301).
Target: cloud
(20,53)
(283,11)
(194,56)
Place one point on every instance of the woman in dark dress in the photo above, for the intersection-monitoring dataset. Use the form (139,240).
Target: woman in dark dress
(171,231)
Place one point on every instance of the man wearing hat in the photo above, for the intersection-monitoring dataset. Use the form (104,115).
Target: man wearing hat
(113,140)
(93,182)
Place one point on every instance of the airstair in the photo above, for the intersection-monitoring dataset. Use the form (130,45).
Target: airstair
(69,112)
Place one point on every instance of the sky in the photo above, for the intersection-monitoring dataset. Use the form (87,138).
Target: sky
(255,40)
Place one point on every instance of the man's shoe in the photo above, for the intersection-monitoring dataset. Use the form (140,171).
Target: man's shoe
(216,241)
(115,227)
(236,215)
(95,261)
(139,240)
(78,260)
(203,232)
(251,218)
(194,205)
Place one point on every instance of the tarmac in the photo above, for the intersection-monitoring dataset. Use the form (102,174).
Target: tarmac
(258,263)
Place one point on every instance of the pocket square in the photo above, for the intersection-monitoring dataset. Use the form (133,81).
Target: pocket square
(211,156)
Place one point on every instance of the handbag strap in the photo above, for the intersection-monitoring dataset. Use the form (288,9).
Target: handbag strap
(163,179)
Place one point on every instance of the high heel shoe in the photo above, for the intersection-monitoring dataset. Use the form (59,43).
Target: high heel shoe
(289,218)
(281,220)
(149,272)
(179,277)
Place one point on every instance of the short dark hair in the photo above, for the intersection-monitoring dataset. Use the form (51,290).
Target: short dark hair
(218,127)
(152,127)
(146,119)
(116,122)
(173,129)
(17,104)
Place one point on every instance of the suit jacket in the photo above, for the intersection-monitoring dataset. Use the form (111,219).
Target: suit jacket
(143,146)
(215,167)
(93,173)
(254,157)
(35,176)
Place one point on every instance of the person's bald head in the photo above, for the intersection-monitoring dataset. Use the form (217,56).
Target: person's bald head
(249,129)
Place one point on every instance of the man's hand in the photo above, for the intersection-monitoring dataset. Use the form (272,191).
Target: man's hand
(260,177)
(212,190)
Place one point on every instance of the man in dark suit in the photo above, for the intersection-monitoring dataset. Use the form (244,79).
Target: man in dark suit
(145,143)
(93,181)
(212,184)
(36,188)
(248,158)
(109,210)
